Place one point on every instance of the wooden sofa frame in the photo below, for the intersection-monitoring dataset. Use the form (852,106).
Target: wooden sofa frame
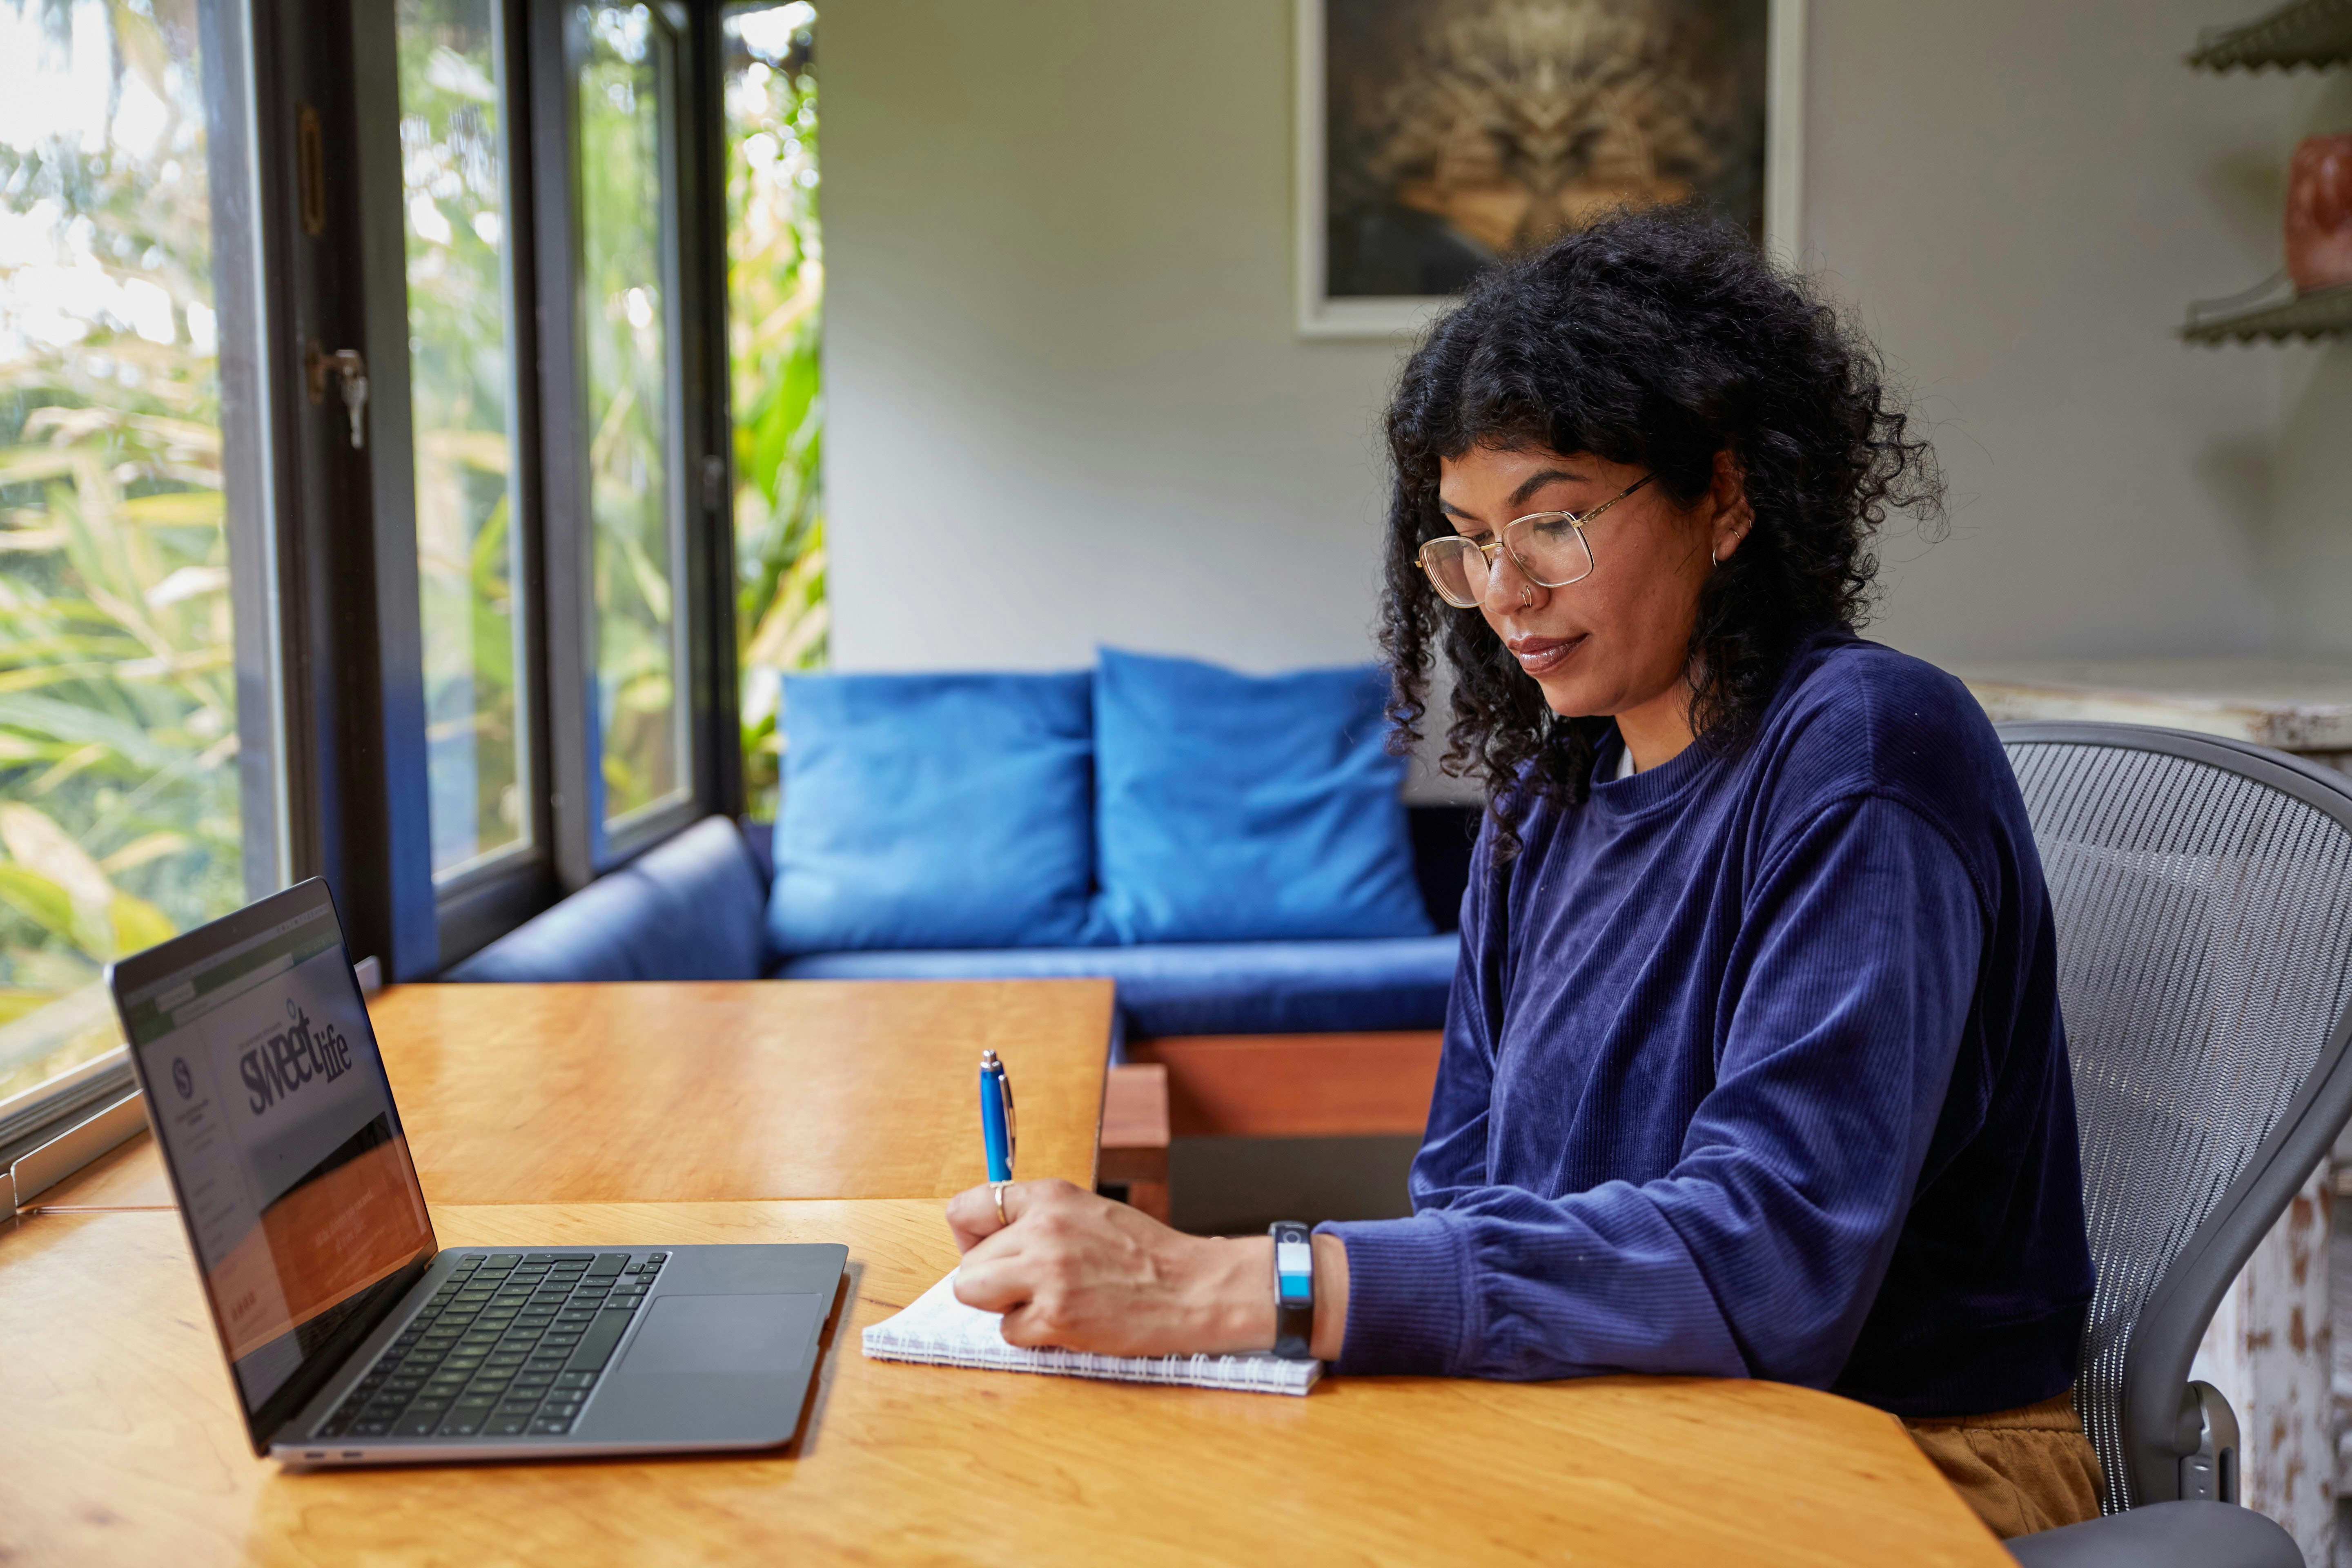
(1283,1086)
(1258,1086)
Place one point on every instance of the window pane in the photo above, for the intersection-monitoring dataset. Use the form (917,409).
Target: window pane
(460,378)
(775,287)
(119,805)
(625,327)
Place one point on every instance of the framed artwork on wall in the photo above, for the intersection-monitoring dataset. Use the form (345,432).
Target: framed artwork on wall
(1436,137)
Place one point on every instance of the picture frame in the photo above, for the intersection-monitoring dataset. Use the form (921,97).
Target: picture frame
(1321,315)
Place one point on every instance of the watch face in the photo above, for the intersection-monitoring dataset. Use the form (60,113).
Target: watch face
(1294,1266)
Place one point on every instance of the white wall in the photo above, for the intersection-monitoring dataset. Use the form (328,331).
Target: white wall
(1067,404)
(2311,475)
(2020,197)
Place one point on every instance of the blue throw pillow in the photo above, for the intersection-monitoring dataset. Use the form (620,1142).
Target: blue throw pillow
(934,811)
(1238,808)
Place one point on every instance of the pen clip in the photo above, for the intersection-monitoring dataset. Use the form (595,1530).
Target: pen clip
(1012,1134)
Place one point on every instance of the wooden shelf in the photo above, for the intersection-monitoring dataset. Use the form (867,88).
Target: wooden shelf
(2321,313)
(2299,33)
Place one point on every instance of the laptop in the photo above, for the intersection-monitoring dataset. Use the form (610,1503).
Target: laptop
(353,1336)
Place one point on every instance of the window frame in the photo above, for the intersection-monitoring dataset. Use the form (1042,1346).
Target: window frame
(483,900)
(710,533)
(586,845)
(570,842)
(268,766)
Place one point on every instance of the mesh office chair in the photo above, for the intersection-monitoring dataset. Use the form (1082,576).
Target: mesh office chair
(2202,891)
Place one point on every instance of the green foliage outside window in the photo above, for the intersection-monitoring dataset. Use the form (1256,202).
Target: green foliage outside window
(119,809)
(455,225)
(625,328)
(776,311)
(118,787)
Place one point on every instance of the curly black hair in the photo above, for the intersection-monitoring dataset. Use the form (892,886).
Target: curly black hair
(1654,338)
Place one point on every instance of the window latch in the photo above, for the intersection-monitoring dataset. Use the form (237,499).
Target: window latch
(350,370)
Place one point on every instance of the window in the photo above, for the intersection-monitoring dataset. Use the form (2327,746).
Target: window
(627,326)
(363,497)
(462,393)
(568,560)
(775,285)
(137,684)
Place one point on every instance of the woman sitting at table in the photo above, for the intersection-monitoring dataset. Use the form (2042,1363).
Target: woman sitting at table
(1753,1065)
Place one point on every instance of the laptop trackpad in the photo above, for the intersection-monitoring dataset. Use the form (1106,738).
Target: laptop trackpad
(724,1334)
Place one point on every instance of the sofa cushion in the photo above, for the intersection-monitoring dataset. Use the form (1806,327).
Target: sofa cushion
(934,811)
(1206,988)
(688,908)
(1231,807)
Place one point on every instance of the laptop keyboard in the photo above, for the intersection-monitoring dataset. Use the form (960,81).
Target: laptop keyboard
(509,1346)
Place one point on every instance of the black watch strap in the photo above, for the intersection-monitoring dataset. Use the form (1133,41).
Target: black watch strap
(1293,1289)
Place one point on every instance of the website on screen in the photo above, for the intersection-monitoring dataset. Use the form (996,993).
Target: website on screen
(273,1105)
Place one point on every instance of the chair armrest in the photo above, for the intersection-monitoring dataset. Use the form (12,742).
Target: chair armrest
(2164,1535)
(2208,1446)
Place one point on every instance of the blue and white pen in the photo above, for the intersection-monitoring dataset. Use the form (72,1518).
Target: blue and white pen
(996,1125)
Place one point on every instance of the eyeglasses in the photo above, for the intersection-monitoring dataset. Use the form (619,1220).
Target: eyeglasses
(1548,547)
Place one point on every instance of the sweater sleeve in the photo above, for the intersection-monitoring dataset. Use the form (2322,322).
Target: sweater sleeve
(1759,1253)
(1451,1164)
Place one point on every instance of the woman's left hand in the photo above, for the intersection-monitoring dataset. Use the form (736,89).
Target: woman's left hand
(1083,1273)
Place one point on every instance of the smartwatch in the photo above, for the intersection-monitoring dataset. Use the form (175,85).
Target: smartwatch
(1293,1290)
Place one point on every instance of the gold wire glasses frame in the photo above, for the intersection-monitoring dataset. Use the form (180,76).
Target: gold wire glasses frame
(1548,547)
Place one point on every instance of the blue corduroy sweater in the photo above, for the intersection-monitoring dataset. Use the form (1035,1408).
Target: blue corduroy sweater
(1753,1067)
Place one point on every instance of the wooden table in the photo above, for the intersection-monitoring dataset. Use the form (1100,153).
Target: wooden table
(686,1092)
(119,1443)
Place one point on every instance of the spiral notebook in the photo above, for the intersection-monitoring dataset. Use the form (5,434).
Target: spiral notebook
(939,1328)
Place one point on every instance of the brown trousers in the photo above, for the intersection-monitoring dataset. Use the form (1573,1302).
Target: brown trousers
(2023,1470)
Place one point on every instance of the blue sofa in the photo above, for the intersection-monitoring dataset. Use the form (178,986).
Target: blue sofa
(692,909)
(1228,849)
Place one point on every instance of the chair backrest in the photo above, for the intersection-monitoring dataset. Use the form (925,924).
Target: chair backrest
(2202,891)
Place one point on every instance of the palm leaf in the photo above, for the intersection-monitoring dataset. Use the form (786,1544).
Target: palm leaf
(80,725)
(38,899)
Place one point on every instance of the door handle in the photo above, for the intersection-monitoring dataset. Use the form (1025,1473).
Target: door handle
(350,370)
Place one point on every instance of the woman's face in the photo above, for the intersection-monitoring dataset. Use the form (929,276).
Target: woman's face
(1614,643)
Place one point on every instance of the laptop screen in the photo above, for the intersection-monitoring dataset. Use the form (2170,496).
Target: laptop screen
(276,1119)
